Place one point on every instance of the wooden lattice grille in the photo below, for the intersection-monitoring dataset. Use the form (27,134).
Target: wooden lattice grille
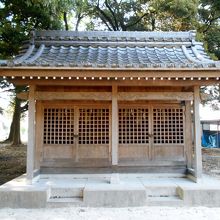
(168,125)
(133,125)
(58,126)
(94,126)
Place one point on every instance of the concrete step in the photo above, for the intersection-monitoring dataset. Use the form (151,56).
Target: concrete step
(164,201)
(64,202)
(66,192)
(161,190)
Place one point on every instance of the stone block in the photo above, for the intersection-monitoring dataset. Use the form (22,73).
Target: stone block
(114,197)
(200,196)
(23,198)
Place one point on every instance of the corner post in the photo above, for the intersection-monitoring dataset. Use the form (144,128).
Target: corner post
(114,125)
(188,135)
(31,134)
(197,135)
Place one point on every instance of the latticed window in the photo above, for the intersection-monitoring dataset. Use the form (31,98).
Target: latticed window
(58,126)
(94,126)
(168,125)
(133,125)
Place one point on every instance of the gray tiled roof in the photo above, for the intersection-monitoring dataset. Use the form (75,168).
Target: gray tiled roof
(113,50)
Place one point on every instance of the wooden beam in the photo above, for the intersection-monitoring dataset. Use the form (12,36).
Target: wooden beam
(178,96)
(73,96)
(23,95)
(31,135)
(111,82)
(39,127)
(188,135)
(197,135)
(108,72)
(114,125)
(126,96)
(76,132)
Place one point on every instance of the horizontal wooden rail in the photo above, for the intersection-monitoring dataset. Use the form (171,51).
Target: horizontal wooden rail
(126,96)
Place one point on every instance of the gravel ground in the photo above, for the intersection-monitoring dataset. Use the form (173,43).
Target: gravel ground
(211,161)
(140,213)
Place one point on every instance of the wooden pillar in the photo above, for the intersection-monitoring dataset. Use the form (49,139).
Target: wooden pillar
(114,125)
(197,135)
(31,135)
(188,135)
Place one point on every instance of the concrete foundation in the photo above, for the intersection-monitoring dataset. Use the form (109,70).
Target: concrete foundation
(100,190)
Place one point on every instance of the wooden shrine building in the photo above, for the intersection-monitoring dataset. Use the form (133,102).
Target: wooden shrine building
(113,101)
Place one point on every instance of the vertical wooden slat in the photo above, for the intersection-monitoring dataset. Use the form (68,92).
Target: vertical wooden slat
(76,132)
(150,132)
(197,135)
(188,134)
(114,125)
(39,137)
(31,135)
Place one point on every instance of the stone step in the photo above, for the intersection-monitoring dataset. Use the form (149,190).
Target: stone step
(66,192)
(64,202)
(117,195)
(161,191)
(164,201)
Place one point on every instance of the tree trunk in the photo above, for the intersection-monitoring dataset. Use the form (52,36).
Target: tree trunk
(65,21)
(14,137)
(78,22)
(219,92)
(153,23)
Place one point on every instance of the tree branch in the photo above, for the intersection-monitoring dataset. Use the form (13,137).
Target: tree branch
(104,21)
(120,15)
(210,22)
(108,19)
(113,14)
(134,23)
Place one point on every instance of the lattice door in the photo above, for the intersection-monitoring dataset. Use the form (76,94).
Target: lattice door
(94,126)
(78,133)
(168,125)
(58,126)
(151,132)
(133,125)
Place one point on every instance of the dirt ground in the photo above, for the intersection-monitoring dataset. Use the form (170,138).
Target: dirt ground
(131,213)
(13,160)
(211,161)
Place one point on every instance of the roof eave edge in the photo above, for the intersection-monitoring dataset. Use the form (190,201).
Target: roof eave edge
(39,68)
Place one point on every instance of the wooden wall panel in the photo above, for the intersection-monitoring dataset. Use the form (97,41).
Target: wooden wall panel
(93,151)
(168,152)
(134,152)
(58,151)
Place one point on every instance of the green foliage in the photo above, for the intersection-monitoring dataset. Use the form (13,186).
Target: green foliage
(175,15)
(209,25)
(17,19)
(143,14)
(212,39)
(116,15)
